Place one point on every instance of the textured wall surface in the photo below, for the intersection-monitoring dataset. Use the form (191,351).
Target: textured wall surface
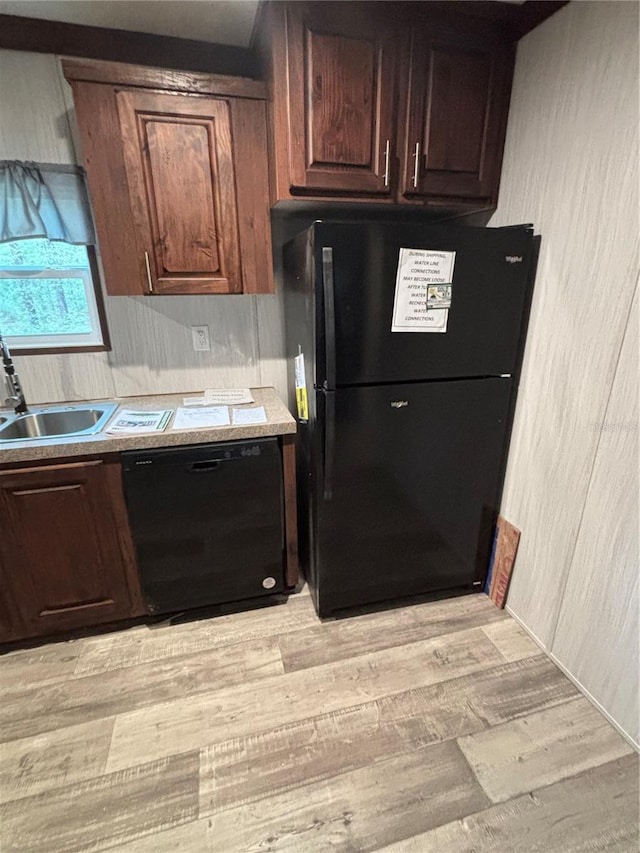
(596,635)
(151,337)
(34,124)
(571,167)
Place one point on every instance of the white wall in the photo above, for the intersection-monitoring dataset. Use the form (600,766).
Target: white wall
(571,167)
(151,337)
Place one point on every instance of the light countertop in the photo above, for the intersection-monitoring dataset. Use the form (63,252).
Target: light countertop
(279,422)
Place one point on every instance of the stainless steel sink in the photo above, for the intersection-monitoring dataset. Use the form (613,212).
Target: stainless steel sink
(57,422)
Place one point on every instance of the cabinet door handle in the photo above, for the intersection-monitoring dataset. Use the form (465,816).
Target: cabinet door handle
(148,266)
(416,165)
(387,152)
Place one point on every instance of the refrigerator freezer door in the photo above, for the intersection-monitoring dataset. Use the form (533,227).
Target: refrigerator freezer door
(488,301)
(410,497)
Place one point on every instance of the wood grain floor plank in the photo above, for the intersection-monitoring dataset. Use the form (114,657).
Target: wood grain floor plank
(542,748)
(248,709)
(158,642)
(359,810)
(113,651)
(512,640)
(31,765)
(117,691)
(336,755)
(247,769)
(520,688)
(100,813)
(346,638)
(443,609)
(192,837)
(596,810)
(27,668)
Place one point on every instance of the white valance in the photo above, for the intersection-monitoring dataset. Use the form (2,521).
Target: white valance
(44,200)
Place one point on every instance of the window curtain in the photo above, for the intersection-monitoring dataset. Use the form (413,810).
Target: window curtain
(42,200)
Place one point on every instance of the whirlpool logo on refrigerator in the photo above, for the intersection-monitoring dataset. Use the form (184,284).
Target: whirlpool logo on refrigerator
(398,404)
(513,259)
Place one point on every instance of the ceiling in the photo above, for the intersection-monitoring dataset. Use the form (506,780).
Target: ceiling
(221,21)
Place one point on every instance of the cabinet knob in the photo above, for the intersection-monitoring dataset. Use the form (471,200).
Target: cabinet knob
(416,165)
(387,152)
(148,266)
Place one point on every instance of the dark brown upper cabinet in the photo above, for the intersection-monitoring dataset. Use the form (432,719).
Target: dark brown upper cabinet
(341,67)
(181,182)
(177,170)
(457,103)
(389,102)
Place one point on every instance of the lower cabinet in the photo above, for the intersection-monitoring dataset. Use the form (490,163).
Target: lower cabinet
(66,557)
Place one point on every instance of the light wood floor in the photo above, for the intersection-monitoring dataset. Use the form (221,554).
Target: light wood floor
(434,727)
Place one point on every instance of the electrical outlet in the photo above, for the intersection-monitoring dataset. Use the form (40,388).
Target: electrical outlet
(200,335)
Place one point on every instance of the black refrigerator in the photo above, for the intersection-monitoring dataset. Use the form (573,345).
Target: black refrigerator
(401,454)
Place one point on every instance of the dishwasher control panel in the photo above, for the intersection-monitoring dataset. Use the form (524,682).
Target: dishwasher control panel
(218,452)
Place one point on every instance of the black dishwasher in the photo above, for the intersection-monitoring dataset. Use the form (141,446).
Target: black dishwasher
(207,522)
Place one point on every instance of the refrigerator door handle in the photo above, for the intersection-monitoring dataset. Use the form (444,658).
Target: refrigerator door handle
(329,445)
(329,319)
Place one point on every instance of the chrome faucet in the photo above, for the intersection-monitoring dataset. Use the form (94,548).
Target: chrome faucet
(16,394)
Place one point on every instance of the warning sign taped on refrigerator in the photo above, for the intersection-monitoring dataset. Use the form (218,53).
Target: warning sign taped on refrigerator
(421,302)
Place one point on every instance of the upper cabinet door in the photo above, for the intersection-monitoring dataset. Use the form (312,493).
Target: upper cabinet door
(341,70)
(180,174)
(458,102)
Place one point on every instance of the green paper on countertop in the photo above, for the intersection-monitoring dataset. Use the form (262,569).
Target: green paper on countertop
(128,421)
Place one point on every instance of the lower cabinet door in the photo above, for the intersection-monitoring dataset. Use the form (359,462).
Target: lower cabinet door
(65,548)
(11,627)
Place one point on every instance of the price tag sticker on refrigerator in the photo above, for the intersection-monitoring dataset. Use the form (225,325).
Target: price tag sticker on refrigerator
(438,296)
(302,402)
(423,291)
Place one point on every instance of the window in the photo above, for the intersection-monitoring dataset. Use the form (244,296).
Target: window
(50,297)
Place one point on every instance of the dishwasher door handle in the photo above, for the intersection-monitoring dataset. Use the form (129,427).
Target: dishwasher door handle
(203,466)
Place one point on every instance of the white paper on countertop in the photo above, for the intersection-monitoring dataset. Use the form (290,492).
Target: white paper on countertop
(227,396)
(220,397)
(243,417)
(130,421)
(201,417)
